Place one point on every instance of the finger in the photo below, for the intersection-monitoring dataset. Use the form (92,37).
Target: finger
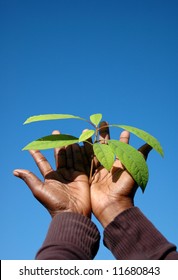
(32,181)
(59,154)
(69,159)
(86,162)
(55,132)
(88,156)
(88,148)
(42,163)
(125,136)
(77,158)
(92,160)
(145,149)
(104,135)
(104,132)
(61,158)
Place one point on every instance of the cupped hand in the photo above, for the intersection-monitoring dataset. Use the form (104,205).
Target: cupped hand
(113,192)
(65,189)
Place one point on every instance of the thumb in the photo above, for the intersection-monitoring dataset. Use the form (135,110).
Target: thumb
(32,181)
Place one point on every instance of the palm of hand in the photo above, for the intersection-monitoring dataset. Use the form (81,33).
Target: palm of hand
(66,190)
(112,191)
(63,190)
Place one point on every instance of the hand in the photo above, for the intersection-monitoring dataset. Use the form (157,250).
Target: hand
(65,189)
(113,192)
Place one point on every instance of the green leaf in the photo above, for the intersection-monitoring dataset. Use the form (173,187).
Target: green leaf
(96,118)
(148,138)
(49,117)
(104,154)
(86,135)
(51,141)
(132,160)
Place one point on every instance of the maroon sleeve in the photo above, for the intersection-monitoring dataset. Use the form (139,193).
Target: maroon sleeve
(132,236)
(70,236)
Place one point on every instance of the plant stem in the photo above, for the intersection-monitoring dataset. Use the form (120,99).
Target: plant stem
(96,135)
(91,170)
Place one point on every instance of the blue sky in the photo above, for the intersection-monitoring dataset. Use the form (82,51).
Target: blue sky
(118,58)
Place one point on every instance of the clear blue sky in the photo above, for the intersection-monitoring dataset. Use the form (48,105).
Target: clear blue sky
(119,58)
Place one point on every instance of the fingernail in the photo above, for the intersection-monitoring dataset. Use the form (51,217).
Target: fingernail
(16,173)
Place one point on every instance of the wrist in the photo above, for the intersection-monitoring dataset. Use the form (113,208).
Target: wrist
(112,211)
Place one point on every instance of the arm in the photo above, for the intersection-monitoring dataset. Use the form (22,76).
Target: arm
(127,232)
(65,194)
(132,236)
(71,236)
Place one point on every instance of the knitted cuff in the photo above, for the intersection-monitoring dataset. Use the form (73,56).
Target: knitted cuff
(132,236)
(72,230)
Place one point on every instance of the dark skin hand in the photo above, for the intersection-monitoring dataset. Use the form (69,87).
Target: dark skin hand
(113,192)
(65,189)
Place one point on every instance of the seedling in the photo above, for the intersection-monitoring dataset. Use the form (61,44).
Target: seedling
(105,154)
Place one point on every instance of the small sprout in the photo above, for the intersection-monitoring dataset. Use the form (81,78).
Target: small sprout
(132,160)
